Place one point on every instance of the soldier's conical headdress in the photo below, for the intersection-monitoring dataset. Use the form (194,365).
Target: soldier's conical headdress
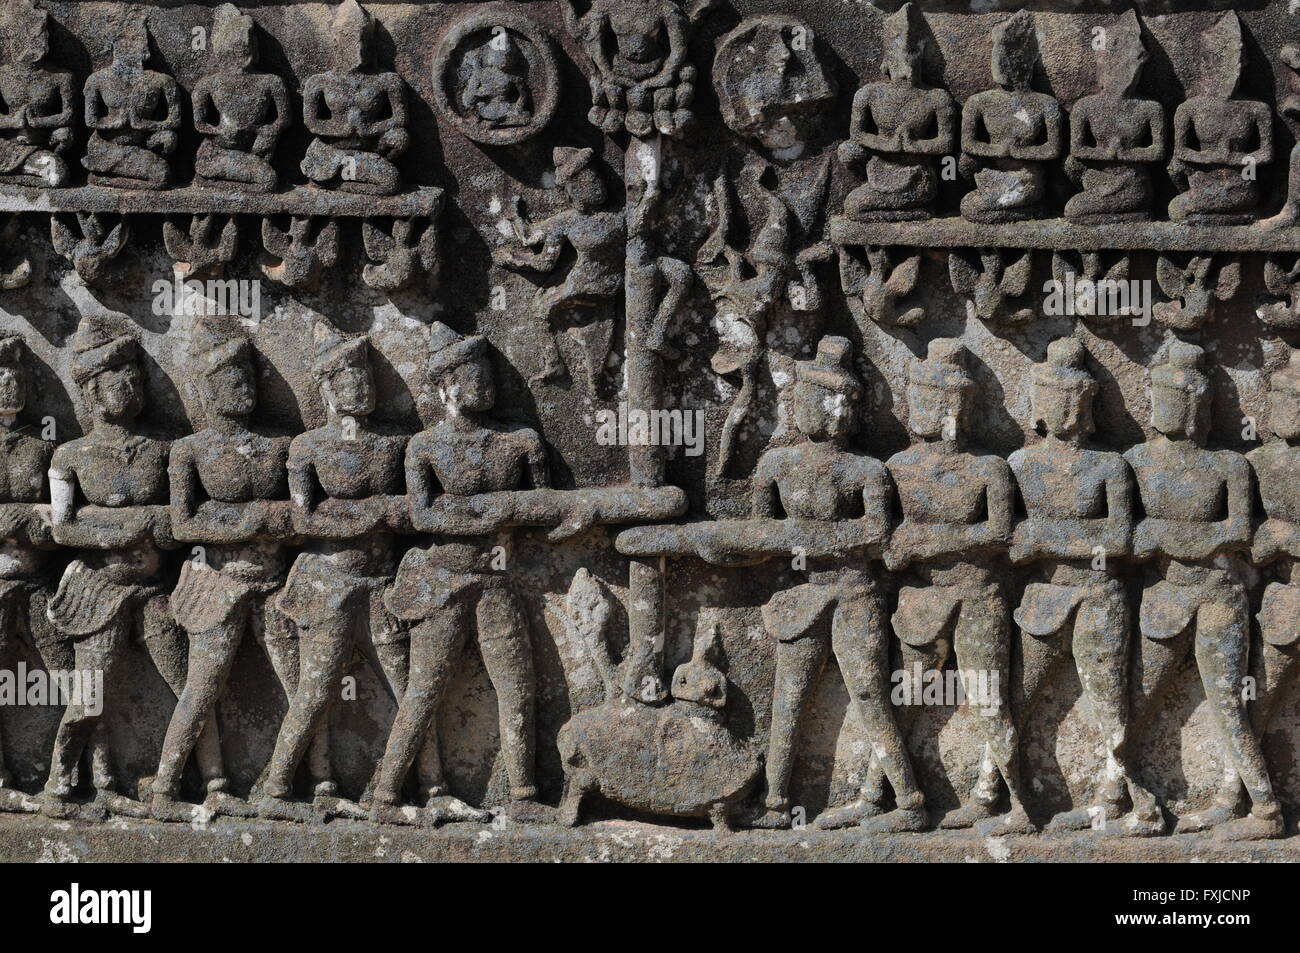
(97,348)
(832,368)
(944,367)
(449,350)
(217,341)
(335,351)
(1064,368)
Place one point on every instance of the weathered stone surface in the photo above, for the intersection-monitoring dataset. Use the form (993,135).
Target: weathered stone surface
(977,331)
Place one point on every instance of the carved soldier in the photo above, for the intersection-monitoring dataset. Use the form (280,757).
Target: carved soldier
(37,102)
(345,480)
(240,112)
(899,126)
(1009,134)
(1276,545)
(1220,139)
(25,539)
(230,494)
(358,116)
(957,509)
(459,586)
(1197,506)
(134,115)
(839,609)
(1078,505)
(108,494)
(597,237)
(1115,135)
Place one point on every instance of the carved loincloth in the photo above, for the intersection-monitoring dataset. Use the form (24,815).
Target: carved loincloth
(205,598)
(1279,614)
(928,613)
(90,598)
(1047,608)
(1168,608)
(319,591)
(795,612)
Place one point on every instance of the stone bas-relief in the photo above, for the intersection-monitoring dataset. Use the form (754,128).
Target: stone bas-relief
(551,478)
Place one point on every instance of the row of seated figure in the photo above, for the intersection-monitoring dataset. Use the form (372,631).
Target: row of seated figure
(358,115)
(1007,138)
(939,517)
(1010,138)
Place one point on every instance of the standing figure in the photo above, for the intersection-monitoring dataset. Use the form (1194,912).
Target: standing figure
(459,586)
(899,126)
(1075,500)
(1009,134)
(957,509)
(229,493)
(1276,545)
(134,115)
(1220,139)
(37,102)
(1115,136)
(839,611)
(240,113)
(1197,506)
(358,116)
(108,494)
(594,279)
(345,480)
(25,540)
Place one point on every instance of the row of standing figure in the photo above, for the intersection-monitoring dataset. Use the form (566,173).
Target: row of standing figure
(119,498)
(1089,513)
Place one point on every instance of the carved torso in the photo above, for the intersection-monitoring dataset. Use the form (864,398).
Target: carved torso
(23,462)
(820,482)
(367,464)
(134,474)
(237,468)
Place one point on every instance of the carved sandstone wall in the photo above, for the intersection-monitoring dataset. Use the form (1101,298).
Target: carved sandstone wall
(762,213)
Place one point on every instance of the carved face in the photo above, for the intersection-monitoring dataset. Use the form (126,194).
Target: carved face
(469,387)
(13,389)
(35,46)
(350,391)
(936,412)
(1284,413)
(586,190)
(118,392)
(230,389)
(822,414)
(1064,412)
(902,59)
(639,36)
(1177,412)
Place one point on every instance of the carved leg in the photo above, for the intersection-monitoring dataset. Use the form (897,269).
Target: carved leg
(578,783)
(274,632)
(859,638)
(100,652)
(437,644)
(508,657)
(1222,646)
(797,665)
(914,661)
(982,642)
(1101,642)
(166,642)
(211,657)
(325,650)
